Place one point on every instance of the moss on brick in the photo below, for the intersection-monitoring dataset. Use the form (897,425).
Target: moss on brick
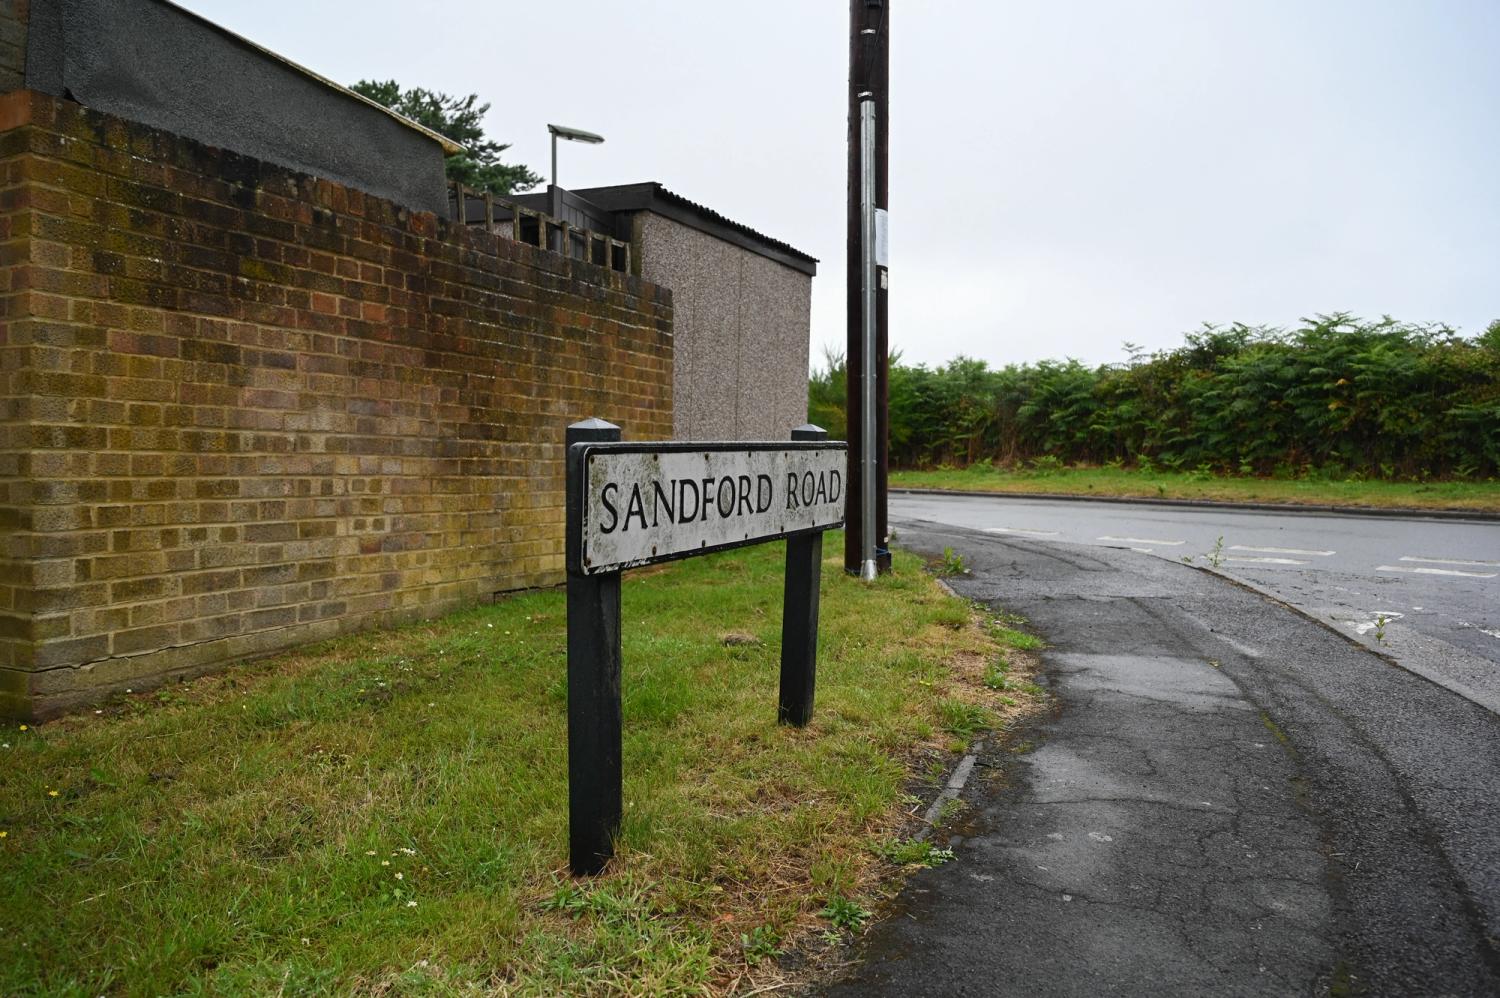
(300,409)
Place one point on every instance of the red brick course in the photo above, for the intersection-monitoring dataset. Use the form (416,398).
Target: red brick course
(245,408)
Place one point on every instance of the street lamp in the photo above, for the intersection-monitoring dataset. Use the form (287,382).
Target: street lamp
(572,135)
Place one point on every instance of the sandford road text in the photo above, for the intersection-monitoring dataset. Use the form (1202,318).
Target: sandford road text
(645,506)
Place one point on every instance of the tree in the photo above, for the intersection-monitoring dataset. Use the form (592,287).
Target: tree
(458,118)
(1490,338)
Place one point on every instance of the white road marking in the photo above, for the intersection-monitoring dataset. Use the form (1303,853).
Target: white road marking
(1139,540)
(1320,554)
(1267,561)
(1020,530)
(1379,618)
(1437,571)
(1451,561)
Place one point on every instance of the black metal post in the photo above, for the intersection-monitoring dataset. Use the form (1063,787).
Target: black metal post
(594,795)
(799,615)
(869,72)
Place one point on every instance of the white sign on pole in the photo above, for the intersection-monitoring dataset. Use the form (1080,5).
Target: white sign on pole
(882,238)
(644,503)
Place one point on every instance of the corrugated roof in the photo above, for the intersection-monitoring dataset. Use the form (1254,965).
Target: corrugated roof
(652,196)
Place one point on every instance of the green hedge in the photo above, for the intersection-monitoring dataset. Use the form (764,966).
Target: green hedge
(1335,396)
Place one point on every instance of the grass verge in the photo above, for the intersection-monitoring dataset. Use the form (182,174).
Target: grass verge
(1130,482)
(386,814)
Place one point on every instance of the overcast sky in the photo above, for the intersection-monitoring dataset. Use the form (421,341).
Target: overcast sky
(1065,176)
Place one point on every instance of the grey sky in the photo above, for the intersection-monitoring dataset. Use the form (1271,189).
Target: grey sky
(1064,176)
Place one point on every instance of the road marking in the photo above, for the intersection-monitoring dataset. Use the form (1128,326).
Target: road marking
(1379,618)
(1267,561)
(1437,571)
(1139,540)
(1020,530)
(1451,561)
(1320,554)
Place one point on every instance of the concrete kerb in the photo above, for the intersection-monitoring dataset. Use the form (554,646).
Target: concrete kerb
(960,775)
(1488,702)
(1302,509)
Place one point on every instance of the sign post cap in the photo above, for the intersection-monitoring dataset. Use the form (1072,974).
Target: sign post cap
(809,431)
(592,423)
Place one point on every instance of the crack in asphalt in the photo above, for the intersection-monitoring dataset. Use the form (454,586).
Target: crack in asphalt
(1200,819)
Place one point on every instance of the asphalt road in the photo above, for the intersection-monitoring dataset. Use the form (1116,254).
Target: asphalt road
(1424,591)
(1229,799)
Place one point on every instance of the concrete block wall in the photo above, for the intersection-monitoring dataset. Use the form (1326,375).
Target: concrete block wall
(245,408)
(741,324)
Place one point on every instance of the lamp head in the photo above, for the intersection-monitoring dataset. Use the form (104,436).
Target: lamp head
(574,134)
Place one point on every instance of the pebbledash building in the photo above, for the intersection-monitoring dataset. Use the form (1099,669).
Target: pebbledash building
(266,377)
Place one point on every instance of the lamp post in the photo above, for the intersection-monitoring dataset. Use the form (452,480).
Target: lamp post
(572,135)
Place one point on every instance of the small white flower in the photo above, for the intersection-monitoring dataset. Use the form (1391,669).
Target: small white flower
(400,876)
(369,852)
(411,904)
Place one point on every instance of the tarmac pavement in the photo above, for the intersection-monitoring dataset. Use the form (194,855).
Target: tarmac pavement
(1230,799)
(1423,590)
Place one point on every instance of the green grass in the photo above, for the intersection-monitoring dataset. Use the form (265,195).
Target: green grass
(1094,481)
(387,813)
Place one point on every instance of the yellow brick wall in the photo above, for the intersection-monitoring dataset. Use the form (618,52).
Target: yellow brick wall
(245,408)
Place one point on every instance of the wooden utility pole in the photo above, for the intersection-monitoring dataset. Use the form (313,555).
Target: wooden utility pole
(869,70)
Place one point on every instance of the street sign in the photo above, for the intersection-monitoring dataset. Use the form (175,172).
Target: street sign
(637,504)
(646,503)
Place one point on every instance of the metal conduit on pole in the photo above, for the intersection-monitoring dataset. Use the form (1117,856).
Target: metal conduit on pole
(867,278)
(869,53)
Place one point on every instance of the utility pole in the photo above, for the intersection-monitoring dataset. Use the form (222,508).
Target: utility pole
(869,71)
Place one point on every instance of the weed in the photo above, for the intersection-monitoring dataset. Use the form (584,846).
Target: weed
(1216,556)
(911,852)
(952,808)
(846,913)
(952,564)
(1380,621)
(760,943)
(568,898)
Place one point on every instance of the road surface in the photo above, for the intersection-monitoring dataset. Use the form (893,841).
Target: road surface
(1229,798)
(1425,591)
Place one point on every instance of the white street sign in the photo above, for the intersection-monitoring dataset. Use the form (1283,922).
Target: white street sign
(644,504)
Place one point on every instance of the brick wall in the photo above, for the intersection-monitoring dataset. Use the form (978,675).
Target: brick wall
(14,15)
(246,408)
